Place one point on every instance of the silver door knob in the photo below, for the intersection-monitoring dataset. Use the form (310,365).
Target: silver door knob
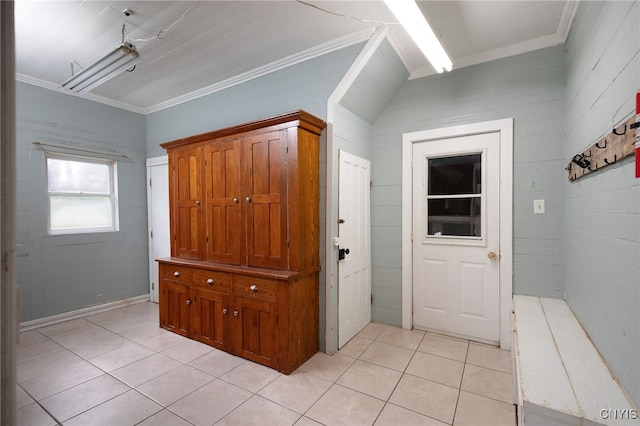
(197,203)
(253,287)
(235,313)
(188,302)
(225,310)
(492,255)
(210,281)
(235,200)
(176,274)
(248,199)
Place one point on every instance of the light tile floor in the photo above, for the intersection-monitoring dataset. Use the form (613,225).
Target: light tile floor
(119,368)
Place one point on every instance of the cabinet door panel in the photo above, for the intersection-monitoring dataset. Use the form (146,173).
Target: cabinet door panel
(188,226)
(174,307)
(222,179)
(266,173)
(255,330)
(210,317)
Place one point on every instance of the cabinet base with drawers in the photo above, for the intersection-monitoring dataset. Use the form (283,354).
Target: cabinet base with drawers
(264,315)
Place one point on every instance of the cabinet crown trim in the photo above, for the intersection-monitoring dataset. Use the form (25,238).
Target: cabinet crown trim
(299,118)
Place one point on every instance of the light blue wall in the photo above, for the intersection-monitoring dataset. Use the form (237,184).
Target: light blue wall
(529,88)
(602,217)
(304,86)
(63,273)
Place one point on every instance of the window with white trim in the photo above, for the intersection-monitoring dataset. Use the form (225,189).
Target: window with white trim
(82,193)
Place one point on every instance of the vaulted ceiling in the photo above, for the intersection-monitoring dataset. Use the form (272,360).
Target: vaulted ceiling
(193,48)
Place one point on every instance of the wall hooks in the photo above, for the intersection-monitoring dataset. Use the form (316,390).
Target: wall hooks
(616,145)
(615,131)
(603,146)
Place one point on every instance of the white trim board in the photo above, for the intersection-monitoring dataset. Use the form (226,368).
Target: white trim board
(505,128)
(79,313)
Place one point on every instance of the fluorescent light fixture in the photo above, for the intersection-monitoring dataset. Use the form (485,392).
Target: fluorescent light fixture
(123,58)
(412,19)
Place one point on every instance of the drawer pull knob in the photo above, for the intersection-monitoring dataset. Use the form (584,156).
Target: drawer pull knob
(176,274)
(248,199)
(225,310)
(235,313)
(210,281)
(253,287)
(235,200)
(197,203)
(188,302)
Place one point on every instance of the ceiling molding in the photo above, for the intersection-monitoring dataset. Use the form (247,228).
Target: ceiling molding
(57,88)
(492,55)
(568,13)
(305,55)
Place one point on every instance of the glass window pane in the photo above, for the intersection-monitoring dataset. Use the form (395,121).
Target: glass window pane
(77,176)
(454,217)
(73,212)
(455,175)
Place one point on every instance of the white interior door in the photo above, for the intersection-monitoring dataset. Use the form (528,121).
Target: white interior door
(158,212)
(456,277)
(354,271)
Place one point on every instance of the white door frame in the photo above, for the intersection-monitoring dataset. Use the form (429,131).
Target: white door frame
(152,162)
(505,128)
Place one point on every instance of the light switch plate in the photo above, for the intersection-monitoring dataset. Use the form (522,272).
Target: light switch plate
(538,206)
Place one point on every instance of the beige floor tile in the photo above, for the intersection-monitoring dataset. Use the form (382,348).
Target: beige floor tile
(490,383)
(121,357)
(146,369)
(127,409)
(216,362)
(306,421)
(143,330)
(28,353)
(31,337)
(386,355)
(372,331)
(258,411)
(115,321)
(409,339)
(22,398)
(489,357)
(99,345)
(251,376)
(436,368)
(210,403)
(162,341)
(444,346)
(62,379)
(85,396)
(393,415)
(370,379)
(33,368)
(33,415)
(426,397)
(148,310)
(175,385)
(165,418)
(187,350)
(297,391)
(84,338)
(355,347)
(342,406)
(474,410)
(327,367)
(69,328)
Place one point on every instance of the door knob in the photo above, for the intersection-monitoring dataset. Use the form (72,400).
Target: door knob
(248,199)
(342,253)
(188,302)
(210,281)
(492,255)
(235,200)
(197,203)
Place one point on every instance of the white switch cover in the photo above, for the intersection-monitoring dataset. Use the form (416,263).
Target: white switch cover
(538,206)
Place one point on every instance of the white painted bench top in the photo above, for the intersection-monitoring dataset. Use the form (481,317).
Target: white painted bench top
(561,377)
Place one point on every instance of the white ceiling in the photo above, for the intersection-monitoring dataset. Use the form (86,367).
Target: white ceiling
(215,44)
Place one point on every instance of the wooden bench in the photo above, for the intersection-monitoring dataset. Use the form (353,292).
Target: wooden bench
(561,379)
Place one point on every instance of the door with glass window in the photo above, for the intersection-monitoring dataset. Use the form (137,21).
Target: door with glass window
(456,236)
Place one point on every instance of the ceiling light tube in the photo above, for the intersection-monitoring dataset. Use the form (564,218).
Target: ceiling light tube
(414,22)
(104,69)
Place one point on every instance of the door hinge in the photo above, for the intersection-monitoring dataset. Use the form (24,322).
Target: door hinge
(150,182)
(153,286)
(287,150)
(372,298)
(151,234)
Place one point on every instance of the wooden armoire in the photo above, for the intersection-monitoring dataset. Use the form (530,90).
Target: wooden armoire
(245,247)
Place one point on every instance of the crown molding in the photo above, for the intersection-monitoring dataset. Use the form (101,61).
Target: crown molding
(568,13)
(305,55)
(57,88)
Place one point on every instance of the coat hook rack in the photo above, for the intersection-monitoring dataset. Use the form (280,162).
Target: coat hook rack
(618,144)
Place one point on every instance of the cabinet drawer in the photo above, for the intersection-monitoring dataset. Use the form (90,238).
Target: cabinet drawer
(176,273)
(255,287)
(211,279)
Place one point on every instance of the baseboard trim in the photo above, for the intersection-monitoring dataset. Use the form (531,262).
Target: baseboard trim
(66,316)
